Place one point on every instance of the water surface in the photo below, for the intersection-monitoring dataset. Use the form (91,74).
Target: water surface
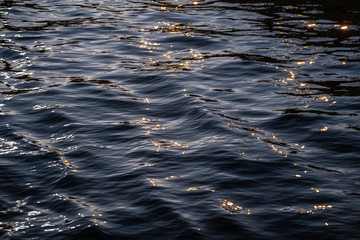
(179,119)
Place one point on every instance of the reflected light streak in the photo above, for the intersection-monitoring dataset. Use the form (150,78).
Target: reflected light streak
(324,129)
(152,181)
(316,190)
(323,98)
(66,162)
(231,207)
(149,45)
(175,28)
(315,208)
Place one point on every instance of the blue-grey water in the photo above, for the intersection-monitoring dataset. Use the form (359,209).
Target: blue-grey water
(179,119)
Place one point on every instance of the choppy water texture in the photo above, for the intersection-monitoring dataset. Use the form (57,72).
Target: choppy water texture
(179,119)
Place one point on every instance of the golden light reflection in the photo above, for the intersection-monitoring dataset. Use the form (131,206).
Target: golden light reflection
(169,27)
(97,222)
(315,208)
(94,214)
(316,190)
(323,98)
(148,124)
(193,189)
(66,162)
(173,5)
(324,129)
(230,206)
(152,181)
(146,164)
(292,76)
(175,61)
(46,146)
(311,25)
(274,143)
(341,27)
(168,178)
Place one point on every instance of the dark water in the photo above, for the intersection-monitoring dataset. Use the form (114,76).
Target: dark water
(179,119)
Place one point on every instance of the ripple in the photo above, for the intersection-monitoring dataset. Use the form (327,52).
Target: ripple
(179,119)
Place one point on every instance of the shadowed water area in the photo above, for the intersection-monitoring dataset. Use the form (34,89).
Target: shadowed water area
(179,119)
